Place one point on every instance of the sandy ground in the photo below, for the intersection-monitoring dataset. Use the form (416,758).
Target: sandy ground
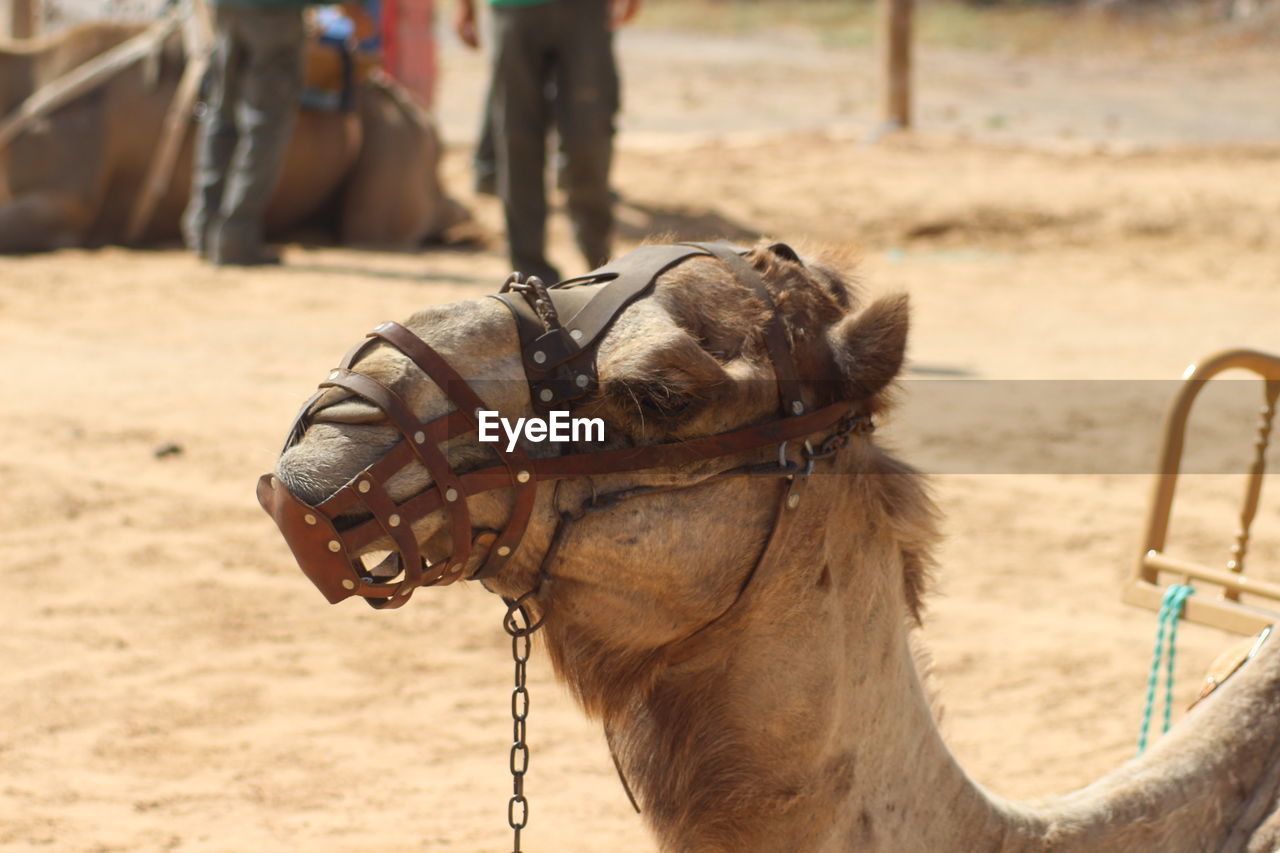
(170,681)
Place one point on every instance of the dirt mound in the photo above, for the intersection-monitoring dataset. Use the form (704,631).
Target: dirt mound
(952,193)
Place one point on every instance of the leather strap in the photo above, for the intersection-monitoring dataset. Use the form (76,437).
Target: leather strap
(622,460)
(559,362)
(517,462)
(679,453)
(429,454)
(629,277)
(388,516)
(776,339)
(299,424)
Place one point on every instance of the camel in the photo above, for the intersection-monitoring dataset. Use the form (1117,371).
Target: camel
(369,177)
(759,695)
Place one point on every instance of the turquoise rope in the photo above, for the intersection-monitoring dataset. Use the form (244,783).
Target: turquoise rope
(1170,609)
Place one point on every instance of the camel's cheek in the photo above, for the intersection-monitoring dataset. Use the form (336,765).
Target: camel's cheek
(658,567)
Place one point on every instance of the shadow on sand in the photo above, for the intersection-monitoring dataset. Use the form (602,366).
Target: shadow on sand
(638,221)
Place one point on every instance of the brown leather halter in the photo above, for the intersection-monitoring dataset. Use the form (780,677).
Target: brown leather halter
(559,361)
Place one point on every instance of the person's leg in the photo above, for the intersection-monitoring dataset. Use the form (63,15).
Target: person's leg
(270,84)
(586,103)
(216,139)
(521,66)
(485,162)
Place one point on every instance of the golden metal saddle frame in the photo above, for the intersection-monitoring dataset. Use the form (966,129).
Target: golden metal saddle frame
(1225,610)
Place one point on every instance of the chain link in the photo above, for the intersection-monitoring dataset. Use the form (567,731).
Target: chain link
(850,424)
(534,290)
(520,628)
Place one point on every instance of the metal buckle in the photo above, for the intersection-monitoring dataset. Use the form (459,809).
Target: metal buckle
(784,467)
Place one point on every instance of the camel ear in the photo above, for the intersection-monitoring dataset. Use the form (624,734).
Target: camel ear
(785,252)
(869,346)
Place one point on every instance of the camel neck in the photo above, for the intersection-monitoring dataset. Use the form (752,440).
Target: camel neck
(745,752)
(808,729)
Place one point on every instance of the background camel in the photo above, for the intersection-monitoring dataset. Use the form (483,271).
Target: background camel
(775,702)
(368,177)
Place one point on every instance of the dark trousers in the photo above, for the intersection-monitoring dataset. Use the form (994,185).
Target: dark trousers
(564,47)
(255,82)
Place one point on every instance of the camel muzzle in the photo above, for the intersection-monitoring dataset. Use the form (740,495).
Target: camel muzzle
(315,542)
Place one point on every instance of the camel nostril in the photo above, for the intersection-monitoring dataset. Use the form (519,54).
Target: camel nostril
(304,484)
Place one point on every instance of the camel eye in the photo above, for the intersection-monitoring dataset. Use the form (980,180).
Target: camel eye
(657,399)
(665,403)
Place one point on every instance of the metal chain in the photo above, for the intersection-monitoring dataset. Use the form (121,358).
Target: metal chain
(534,290)
(542,304)
(520,628)
(851,424)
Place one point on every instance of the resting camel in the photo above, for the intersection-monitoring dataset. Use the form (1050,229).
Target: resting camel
(369,177)
(776,702)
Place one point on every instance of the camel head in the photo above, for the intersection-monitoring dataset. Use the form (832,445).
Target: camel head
(662,548)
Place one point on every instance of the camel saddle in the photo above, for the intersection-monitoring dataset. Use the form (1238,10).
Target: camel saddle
(331,73)
(1229,663)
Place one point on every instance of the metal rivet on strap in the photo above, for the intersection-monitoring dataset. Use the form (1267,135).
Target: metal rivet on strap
(275,484)
(522,476)
(451,494)
(582,380)
(309,518)
(545,395)
(394,520)
(797,407)
(504,551)
(576,334)
(348,584)
(334,374)
(793,501)
(539,357)
(335,546)
(364,486)
(419,436)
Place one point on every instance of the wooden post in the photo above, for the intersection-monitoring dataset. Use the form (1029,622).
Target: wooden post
(895,48)
(17,19)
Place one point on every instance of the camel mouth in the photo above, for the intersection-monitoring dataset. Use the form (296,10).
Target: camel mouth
(381,561)
(308,466)
(351,412)
(389,567)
